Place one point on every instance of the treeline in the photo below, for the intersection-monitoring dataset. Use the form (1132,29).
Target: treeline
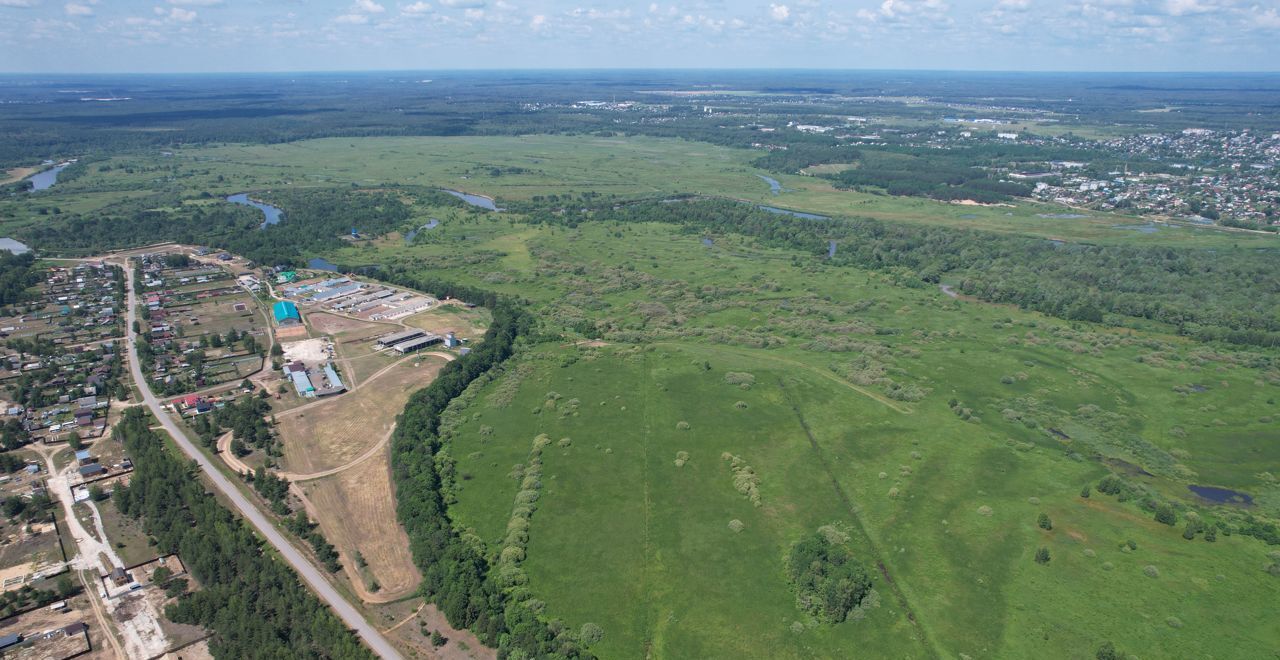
(314,220)
(143,221)
(799,156)
(456,576)
(17,274)
(1212,295)
(923,176)
(253,603)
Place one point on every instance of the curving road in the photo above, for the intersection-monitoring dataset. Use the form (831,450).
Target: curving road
(309,573)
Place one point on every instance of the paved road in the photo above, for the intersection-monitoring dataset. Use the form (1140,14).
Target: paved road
(310,574)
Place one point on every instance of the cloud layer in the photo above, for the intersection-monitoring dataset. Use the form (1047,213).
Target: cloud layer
(204,35)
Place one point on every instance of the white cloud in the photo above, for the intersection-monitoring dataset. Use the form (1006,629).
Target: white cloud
(538,22)
(474,14)
(779,12)
(182,15)
(369,7)
(1014,5)
(20,4)
(195,3)
(1186,7)
(417,9)
(351,19)
(77,9)
(463,4)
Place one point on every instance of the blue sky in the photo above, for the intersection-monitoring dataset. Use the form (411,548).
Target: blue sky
(288,35)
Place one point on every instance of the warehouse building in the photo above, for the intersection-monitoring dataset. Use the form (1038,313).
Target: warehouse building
(416,344)
(396,338)
(286,313)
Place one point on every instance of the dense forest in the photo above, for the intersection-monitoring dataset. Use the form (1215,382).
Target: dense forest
(1211,295)
(17,274)
(313,220)
(455,575)
(254,605)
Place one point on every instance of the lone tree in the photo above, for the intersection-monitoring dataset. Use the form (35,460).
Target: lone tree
(1044,522)
(1042,556)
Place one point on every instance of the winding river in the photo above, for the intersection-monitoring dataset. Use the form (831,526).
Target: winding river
(271,214)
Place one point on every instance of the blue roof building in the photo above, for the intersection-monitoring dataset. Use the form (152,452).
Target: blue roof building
(286,313)
(302,383)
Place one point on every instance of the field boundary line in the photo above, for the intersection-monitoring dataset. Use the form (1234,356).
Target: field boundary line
(857,520)
(796,363)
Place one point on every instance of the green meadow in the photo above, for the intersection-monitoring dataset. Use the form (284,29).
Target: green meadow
(934,431)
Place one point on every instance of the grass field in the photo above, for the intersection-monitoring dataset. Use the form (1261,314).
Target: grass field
(625,539)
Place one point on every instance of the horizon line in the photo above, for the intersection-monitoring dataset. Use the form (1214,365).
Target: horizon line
(517,69)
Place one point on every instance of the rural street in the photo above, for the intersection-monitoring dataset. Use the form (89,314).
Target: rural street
(310,574)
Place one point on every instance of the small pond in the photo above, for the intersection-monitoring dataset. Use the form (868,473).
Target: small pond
(320,263)
(408,238)
(831,249)
(475,200)
(1149,228)
(1221,495)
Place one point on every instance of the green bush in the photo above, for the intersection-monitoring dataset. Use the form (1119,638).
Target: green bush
(828,580)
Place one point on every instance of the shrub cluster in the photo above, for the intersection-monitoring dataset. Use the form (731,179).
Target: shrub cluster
(745,479)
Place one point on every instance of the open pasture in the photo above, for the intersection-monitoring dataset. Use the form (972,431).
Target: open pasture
(632,526)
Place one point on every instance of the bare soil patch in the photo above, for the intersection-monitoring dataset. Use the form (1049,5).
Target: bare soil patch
(334,431)
(331,324)
(357,513)
(291,332)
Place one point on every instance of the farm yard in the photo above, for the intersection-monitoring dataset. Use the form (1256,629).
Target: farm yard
(455,318)
(330,433)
